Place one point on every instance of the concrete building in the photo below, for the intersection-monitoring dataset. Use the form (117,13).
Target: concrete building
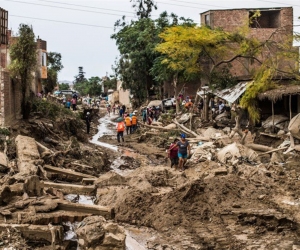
(10,93)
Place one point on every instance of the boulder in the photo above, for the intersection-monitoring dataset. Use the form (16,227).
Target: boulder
(94,232)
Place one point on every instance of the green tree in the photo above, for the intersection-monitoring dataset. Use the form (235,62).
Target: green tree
(136,42)
(94,87)
(210,53)
(23,55)
(54,66)
(64,86)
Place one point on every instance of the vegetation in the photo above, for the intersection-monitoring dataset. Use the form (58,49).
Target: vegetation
(64,86)
(49,109)
(54,66)
(136,42)
(23,63)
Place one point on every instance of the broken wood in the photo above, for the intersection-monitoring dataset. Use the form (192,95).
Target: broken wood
(37,232)
(272,151)
(71,188)
(43,149)
(106,212)
(87,181)
(67,174)
(185,129)
(159,127)
(259,147)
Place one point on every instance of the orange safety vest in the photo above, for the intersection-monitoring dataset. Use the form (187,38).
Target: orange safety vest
(127,121)
(121,127)
(133,120)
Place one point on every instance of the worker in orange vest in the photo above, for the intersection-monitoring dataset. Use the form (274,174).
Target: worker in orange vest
(128,124)
(120,130)
(133,122)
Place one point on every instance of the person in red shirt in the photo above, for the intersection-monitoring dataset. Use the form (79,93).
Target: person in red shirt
(173,154)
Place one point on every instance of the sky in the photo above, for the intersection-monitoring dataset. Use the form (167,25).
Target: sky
(80,30)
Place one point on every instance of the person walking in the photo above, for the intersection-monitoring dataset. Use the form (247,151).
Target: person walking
(173,154)
(128,124)
(88,120)
(184,150)
(74,101)
(133,122)
(120,130)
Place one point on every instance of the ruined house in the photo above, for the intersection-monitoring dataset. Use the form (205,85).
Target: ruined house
(10,94)
(274,24)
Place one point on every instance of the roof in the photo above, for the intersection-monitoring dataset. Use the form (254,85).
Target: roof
(279,92)
(230,94)
(248,9)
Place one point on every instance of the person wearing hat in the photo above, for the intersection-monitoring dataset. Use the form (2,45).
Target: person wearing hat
(184,150)
(88,122)
(120,130)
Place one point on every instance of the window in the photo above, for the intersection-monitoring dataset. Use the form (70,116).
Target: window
(44,59)
(264,19)
(207,19)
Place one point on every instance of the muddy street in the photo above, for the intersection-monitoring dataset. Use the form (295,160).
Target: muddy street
(101,193)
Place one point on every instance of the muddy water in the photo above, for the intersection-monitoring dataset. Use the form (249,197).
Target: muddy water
(104,130)
(133,239)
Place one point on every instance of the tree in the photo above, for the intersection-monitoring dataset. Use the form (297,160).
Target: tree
(54,66)
(136,42)
(23,56)
(143,7)
(64,86)
(209,55)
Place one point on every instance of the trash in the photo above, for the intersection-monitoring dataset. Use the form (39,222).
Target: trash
(235,152)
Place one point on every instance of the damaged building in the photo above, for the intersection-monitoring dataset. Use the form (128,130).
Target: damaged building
(265,24)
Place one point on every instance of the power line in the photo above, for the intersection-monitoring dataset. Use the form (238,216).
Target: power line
(51,6)
(56,21)
(279,3)
(85,6)
(198,3)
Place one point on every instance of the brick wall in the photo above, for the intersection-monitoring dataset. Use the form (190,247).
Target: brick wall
(231,20)
(10,100)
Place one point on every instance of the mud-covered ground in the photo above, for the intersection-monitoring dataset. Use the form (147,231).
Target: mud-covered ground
(210,205)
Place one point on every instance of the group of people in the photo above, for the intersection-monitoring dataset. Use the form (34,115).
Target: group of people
(126,122)
(179,152)
(67,103)
(151,114)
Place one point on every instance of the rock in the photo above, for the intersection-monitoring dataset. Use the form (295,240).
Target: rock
(281,132)
(95,232)
(5,195)
(110,179)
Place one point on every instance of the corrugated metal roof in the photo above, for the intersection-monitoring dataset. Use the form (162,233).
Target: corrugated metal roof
(229,94)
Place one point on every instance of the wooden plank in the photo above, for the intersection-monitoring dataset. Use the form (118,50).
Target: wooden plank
(106,212)
(37,232)
(68,173)
(71,188)
(88,181)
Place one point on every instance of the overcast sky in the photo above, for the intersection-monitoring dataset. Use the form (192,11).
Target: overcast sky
(80,30)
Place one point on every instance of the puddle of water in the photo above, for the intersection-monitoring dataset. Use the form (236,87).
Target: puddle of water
(103,129)
(81,199)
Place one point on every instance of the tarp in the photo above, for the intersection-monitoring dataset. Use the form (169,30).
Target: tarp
(229,94)
(155,103)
